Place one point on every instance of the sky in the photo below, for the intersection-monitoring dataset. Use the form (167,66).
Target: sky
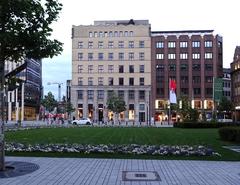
(163,15)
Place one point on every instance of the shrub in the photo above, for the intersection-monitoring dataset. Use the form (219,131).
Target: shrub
(202,124)
(230,134)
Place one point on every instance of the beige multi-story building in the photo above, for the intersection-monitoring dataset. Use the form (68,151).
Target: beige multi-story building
(107,57)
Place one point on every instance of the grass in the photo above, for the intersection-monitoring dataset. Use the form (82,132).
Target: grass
(150,136)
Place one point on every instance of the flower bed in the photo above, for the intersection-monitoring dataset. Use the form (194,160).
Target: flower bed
(135,149)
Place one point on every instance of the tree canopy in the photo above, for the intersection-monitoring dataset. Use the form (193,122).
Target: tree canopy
(49,102)
(25,29)
(116,104)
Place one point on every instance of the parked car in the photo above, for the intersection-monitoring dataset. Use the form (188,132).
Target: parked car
(82,121)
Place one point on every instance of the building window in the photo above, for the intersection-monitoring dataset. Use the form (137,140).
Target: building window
(196,79)
(183,44)
(90,94)
(131,94)
(141,69)
(196,56)
(100,69)
(80,81)
(141,44)
(105,34)
(90,69)
(196,44)
(121,94)
(141,56)
(110,44)
(80,68)
(171,56)
(110,93)
(184,79)
(159,56)
(80,56)
(110,34)
(121,81)
(90,56)
(131,56)
(171,44)
(95,34)
(131,44)
(196,67)
(100,56)
(184,91)
(131,81)
(90,44)
(208,56)
(141,116)
(141,95)
(196,91)
(160,67)
(121,56)
(110,81)
(120,44)
(115,33)
(100,80)
(209,91)
(126,34)
(100,44)
(183,56)
(80,94)
(131,69)
(208,44)
(110,56)
(110,69)
(120,34)
(183,67)
(159,44)
(141,81)
(80,45)
(208,67)
(90,34)
(131,33)
(208,79)
(141,107)
(101,34)
(172,67)
(100,94)
(90,81)
(121,69)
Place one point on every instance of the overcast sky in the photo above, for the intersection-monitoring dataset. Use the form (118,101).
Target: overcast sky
(163,15)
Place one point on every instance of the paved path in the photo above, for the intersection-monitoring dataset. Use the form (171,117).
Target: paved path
(80,171)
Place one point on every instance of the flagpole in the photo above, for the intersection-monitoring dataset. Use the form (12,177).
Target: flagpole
(169,104)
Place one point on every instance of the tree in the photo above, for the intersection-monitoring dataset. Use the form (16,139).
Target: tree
(69,108)
(225,106)
(49,102)
(116,105)
(24,33)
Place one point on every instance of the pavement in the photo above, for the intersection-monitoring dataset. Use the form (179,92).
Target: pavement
(89,171)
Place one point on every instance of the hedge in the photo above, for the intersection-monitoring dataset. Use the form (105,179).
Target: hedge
(203,124)
(230,134)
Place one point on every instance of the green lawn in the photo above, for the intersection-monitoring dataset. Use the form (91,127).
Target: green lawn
(151,136)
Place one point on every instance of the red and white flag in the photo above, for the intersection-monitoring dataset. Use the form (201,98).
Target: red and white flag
(172,92)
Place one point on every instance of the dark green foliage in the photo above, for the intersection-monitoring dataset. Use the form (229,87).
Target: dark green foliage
(69,108)
(49,102)
(203,124)
(116,104)
(230,134)
(25,30)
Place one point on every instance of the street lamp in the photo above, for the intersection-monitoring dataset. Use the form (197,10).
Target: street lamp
(59,88)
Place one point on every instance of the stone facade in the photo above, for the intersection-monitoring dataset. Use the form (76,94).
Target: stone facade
(107,57)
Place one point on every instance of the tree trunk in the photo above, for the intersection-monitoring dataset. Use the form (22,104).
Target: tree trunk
(2,115)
